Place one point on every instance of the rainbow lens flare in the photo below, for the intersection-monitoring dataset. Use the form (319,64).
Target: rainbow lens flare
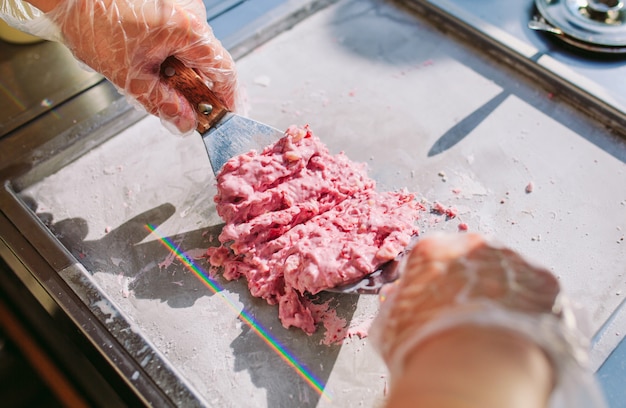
(12,97)
(245,317)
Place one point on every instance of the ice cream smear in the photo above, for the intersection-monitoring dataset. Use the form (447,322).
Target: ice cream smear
(299,220)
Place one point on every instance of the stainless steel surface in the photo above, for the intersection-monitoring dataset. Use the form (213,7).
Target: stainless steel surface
(600,22)
(502,27)
(235,135)
(541,25)
(538,23)
(55,139)
(98,205)
(468,121)
(58,135)
(35,79)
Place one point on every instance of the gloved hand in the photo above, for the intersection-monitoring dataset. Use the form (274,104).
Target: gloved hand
(461,279)
(127,40)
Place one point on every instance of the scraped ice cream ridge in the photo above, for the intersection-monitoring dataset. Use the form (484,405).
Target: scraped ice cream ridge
(299,220)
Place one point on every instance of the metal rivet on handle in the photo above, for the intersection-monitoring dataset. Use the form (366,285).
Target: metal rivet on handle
(205,108)
(169,71)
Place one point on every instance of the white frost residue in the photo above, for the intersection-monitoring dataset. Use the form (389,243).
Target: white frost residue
(107,309)
(262,80)
(126,291)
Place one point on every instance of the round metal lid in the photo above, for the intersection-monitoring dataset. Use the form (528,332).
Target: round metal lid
(601,22)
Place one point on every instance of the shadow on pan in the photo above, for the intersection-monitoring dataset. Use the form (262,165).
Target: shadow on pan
(153,272)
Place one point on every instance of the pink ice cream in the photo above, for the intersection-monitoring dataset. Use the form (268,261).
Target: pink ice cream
(299,220)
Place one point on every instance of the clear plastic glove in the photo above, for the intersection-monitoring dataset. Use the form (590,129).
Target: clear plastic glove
(127,40)
(457,280)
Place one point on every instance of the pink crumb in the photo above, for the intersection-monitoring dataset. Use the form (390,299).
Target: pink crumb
(213,271)
(196,253)
(463,227)
(167,261)
(335,326)
(530,187)
(361,330)
(439,208)
(449,212)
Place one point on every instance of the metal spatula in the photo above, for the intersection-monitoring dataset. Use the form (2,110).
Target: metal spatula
(224,133)
(371,283)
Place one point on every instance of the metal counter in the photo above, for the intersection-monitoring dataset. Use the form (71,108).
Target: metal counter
(107,219)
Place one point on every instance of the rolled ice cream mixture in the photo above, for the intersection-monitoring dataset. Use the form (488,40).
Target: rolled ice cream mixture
(299,220)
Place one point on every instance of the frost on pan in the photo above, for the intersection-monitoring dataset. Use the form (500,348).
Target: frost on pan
(299,220)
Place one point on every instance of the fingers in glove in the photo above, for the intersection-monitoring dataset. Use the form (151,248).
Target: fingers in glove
(461,273)
(126,41)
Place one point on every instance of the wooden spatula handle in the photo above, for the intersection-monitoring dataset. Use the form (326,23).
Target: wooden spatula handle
(209,109)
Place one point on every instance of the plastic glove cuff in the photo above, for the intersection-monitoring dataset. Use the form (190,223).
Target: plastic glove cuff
(556,334)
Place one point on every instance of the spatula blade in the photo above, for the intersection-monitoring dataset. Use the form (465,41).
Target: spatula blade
(224,133)
(235,135)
